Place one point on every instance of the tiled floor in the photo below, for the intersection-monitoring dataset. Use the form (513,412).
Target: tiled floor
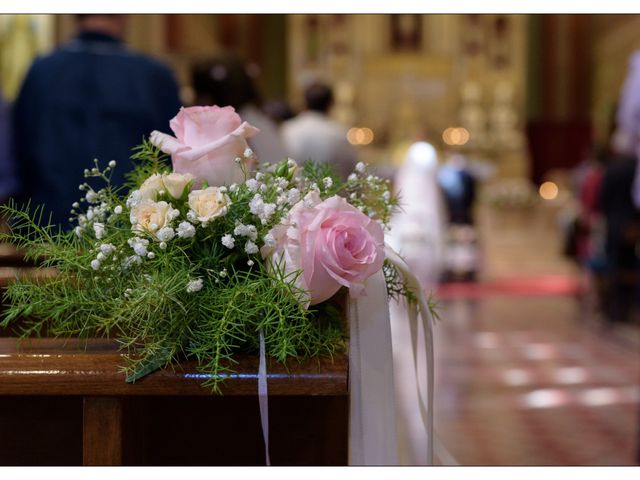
(525,377)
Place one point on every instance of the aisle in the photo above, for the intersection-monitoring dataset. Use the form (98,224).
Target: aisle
(523,378)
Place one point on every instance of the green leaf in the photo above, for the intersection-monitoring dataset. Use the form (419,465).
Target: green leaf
(149,365)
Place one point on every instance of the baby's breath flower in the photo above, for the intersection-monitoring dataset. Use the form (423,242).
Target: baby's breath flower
(163,245)
(268,210)
(107,248)
(165,234)
(352,177)
(223,272)
(386,195)
(250,262)
(95,264)
(246,231)
(327,182)
(294,196)
(256,205)
(75,205)
(112,163)
(98,229)
(151,255)
(186,230)
(228,241)
(139,245)
(192,216)
(195,285)
(118,209)
(250,247)
(360,167)
(134,198)
(252,184)
(248,153)
(100,257)
(233,187)
(91,196)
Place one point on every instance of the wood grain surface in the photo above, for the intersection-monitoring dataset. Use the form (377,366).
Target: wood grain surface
(47,366)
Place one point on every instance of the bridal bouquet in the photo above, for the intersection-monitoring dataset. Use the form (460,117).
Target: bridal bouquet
(195,260)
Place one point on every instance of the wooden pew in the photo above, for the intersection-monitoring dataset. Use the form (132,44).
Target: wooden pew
(64,404)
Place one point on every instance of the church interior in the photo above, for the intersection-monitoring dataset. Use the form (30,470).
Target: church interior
(530,366)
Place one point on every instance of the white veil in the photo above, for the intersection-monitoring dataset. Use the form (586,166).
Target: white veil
(418,230)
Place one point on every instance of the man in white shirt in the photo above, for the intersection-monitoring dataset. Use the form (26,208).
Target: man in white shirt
(312,135)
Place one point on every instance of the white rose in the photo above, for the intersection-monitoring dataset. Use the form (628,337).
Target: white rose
(151,187)
(175,183)
(149,216)
(209,203)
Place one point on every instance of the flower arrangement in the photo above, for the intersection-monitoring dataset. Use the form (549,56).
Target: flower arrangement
(196,260)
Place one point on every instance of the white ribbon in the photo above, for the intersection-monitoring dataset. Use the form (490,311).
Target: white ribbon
(263,398)
(372,425)
(373,436)
(421,344)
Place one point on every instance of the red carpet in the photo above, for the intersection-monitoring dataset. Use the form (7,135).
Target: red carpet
(542,285)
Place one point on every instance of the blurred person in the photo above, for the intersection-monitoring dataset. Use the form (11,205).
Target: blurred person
(459,187)
(418,230)
(228,81)
(622,236)
(8,176)
(618,200)
(90,98)
(278,110)
(312,135)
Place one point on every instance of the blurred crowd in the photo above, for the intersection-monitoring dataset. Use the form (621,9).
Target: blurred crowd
(604,236)
(93,97)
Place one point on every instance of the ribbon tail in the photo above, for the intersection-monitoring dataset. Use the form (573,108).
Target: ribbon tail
(372,424)
(425,400)
(263,398)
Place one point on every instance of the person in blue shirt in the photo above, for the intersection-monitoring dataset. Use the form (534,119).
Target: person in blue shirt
(90,98)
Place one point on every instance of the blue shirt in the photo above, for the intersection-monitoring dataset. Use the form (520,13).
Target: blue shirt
(90,98)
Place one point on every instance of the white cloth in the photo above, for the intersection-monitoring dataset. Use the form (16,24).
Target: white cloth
(314,136)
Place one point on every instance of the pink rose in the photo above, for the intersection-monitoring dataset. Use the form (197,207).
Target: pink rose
(207,142)
(333,243)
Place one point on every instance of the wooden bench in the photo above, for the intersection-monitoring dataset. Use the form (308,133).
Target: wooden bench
(64,404)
